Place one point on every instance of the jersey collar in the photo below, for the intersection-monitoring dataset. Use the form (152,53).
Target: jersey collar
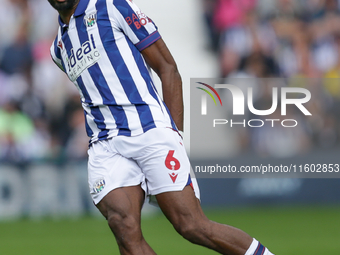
(82,5)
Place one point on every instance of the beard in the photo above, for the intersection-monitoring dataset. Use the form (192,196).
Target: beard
(63,6)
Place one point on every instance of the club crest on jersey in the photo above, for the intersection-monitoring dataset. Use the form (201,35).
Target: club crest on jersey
(90,19)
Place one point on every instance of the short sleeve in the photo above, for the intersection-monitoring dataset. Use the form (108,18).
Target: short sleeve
(56,54)
(139,28)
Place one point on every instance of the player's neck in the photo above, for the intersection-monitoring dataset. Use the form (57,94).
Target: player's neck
(65,15)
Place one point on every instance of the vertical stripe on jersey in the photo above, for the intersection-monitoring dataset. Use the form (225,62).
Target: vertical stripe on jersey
(104,63)
(95,111)
(99,120)
(89,131)
(68,47)
(108,99)
(132,126)
(56,49)
(117,61)
(92,122)
(56,54)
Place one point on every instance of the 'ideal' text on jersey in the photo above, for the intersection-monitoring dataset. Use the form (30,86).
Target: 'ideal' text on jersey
(82,58)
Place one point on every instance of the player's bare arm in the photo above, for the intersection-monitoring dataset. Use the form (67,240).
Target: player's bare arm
(161,61)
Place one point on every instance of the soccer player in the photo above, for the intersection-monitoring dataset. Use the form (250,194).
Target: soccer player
(106,48)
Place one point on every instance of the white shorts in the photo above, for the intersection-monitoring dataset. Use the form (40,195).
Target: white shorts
(156,159)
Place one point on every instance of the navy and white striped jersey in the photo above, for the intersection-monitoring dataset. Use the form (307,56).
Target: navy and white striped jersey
(100,52)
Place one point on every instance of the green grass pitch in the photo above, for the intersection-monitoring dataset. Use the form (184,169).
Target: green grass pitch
(289,231)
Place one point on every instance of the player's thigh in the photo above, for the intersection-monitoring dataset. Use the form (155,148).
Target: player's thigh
(122,203)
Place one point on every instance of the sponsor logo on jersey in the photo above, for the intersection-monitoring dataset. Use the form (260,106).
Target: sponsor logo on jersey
(90,19)
(82,58)
(138,20)
(98,186)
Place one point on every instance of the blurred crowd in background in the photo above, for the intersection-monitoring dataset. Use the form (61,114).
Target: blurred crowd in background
(298,40)
(40,114)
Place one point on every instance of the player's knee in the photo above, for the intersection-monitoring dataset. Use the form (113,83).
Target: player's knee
(191,230)
(123,224)
(186,230)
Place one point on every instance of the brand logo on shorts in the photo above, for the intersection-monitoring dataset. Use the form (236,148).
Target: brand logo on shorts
(98,186)
(173,177)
